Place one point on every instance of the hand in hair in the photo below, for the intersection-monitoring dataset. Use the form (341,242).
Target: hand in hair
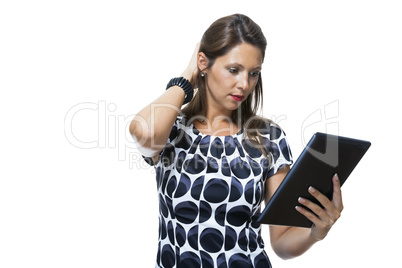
(192,70)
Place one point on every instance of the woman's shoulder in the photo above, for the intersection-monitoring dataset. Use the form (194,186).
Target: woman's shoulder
(182,128)
(180,122)
(265,127)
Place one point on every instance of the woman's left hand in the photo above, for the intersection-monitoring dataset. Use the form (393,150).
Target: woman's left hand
(325,217)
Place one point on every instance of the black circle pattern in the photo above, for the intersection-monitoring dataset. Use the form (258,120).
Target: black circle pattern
(210,188)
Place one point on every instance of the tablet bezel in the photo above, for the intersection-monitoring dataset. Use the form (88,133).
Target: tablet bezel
(323,156)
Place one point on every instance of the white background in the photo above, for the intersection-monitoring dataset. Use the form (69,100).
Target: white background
(65,206)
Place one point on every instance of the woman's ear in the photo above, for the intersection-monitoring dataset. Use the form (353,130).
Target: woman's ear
(202,61)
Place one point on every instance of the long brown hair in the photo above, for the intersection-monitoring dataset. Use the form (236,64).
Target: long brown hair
(223,35)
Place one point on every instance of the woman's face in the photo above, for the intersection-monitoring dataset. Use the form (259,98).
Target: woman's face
(233,77)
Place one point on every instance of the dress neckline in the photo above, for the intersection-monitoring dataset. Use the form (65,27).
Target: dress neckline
(198,132)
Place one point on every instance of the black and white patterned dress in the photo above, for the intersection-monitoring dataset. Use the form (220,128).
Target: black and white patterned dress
(210,189)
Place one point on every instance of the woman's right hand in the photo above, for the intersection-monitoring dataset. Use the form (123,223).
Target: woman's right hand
(191,71)
(151,126)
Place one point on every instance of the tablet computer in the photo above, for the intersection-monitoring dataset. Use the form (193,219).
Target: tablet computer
(323,156)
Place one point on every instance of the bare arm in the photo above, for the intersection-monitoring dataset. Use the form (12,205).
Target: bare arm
(289,242)
(151,126)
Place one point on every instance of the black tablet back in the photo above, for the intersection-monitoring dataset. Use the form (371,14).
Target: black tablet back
(323,156)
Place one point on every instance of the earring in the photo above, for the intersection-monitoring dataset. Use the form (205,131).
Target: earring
(202,74)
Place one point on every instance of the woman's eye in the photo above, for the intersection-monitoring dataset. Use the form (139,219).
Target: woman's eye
(235,71)
(254,74)
(232,70)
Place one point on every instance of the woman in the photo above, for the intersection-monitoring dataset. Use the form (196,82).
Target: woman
(216,160)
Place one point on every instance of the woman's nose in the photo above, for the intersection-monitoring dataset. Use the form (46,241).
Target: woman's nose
(243,81)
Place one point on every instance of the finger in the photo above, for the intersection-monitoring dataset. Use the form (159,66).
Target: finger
(196,50)
(324,201)
(319,211)
(330,213)
(337,194)
(309,215)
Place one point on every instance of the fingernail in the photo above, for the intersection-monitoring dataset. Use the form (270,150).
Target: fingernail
(301,200)
(311,189)
(298,208)
(336,176)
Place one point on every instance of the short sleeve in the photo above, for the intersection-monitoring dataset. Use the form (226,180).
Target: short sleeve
(168,150)
(278,147)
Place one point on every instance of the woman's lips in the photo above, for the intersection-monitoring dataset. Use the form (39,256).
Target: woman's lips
(237,97)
